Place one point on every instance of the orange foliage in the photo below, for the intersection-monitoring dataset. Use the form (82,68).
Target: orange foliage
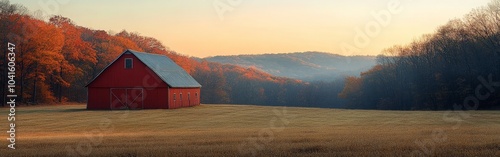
(352,87)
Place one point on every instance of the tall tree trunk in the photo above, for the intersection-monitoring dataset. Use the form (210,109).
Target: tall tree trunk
(33,97)
(21,85)
(60,85)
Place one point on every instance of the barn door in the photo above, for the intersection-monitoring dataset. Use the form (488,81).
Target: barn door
(135,98)
(126,98)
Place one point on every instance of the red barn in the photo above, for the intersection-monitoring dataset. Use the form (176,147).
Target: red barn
(137,80)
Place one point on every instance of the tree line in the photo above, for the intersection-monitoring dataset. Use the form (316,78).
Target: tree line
(57,58)
(458,65)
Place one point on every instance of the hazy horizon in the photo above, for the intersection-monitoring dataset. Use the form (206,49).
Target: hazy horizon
(216,27)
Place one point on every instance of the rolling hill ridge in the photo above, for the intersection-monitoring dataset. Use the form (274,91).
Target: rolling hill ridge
(307,66)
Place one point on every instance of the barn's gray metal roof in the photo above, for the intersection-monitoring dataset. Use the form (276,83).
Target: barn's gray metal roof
(164,67)
(167,70)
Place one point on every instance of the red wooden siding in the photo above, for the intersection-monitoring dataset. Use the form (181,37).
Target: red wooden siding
(190,97)
(156,98)
(98,98)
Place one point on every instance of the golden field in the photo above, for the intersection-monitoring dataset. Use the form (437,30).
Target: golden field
(244,130)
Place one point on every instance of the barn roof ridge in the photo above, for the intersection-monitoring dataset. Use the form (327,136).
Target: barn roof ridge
(134,51)
(164,67)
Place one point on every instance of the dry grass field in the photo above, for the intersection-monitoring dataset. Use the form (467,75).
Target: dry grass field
(231,130)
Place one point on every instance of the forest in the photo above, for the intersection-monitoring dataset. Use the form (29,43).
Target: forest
(457,66)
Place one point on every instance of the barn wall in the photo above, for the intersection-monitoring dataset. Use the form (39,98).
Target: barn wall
(153,98)
(193,100)
(98,98)
(156,98)
(117,76)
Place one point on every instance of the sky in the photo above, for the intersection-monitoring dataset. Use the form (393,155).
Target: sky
(204,28)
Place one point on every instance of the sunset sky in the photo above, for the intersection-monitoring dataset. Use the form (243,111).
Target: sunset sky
(196,28)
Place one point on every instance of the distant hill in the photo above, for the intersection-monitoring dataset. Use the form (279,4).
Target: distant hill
(307,66)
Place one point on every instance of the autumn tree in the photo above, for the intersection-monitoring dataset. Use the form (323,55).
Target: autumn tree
(10,14)
(39,59)
(79,58)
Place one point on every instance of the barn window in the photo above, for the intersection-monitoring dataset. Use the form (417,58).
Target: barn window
(180,96)
(174,96)
(189,96)
(128,63)
(196,94)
